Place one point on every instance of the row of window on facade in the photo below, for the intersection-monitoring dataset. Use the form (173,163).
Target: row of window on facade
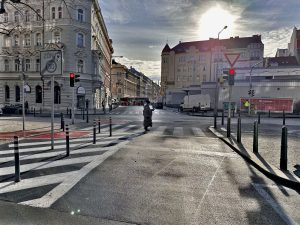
(28,65)
(56,13)
(38,94)
(16,40)
(192,78)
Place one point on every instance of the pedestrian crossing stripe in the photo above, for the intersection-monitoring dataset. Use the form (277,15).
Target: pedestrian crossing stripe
(36,157)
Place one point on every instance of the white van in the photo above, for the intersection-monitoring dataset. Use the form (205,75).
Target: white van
(196,103)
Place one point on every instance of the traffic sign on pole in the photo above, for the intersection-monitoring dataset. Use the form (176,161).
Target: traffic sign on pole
(232,58)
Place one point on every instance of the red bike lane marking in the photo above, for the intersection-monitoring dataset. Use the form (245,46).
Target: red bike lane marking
(58,135)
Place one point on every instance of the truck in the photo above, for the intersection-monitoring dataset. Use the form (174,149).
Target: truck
(195,103)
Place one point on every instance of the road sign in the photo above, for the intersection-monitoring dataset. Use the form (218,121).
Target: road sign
(51,63)
(232,58)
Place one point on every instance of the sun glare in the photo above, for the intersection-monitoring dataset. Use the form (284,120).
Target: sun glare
(213,20)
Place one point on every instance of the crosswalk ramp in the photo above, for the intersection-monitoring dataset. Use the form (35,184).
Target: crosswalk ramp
(47,174)
(179,131)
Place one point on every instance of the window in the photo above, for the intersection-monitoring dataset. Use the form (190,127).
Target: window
(6,65)
(80,15)
(16,40)
(39,39)
(56,37)
(17,16)
(7,93)
(27,40)
(27,16)
(37,65)
(27,65)
(38,15)
(53,12)
(17,65)
(80,40)
(56,95)
(7,42)
(59,12)
(80,66)
(38,94)
(5,16)
(17,89)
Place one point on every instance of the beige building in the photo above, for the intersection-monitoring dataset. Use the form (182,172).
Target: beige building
(188,65)
(77,28)
(132,83)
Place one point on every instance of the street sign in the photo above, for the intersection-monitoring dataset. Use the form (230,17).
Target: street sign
(51,63)
(232,58)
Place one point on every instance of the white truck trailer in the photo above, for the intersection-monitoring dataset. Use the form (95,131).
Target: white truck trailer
(196,103)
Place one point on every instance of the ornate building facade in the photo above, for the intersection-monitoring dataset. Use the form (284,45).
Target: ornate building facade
(77,28)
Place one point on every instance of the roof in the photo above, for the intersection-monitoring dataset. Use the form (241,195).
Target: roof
(283,61)
(166,48)
(207,45)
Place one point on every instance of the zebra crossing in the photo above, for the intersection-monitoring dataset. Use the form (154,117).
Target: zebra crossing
(47,174)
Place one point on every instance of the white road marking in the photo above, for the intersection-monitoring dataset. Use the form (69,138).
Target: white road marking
(160,130)
(178,131)
(33,182)
(223,129)
(47,200)
(45,165)
(197,131)
(280,211)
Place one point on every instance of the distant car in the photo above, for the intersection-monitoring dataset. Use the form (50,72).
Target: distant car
(1,112)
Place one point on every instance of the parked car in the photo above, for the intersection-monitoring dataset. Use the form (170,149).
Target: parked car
(12,109)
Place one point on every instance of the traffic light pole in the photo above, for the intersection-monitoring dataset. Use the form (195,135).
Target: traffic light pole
(73,105)
(52,113)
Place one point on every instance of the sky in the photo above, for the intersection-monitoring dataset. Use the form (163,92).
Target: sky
(141,28)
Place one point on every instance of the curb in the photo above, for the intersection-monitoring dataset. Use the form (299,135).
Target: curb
(278,176)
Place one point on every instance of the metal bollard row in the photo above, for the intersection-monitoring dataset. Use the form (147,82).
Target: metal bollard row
(17,159)
(94,132)
(228,127)
(110,127)
(284,147)
(99,126)
(255,137)
(67,140)
(239,130)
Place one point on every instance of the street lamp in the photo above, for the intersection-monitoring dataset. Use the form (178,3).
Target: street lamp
(110,88)
(217,87)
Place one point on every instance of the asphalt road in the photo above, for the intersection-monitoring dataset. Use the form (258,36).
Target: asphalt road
(178,173)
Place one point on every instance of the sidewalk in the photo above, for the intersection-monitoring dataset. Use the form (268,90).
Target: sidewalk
(264,161)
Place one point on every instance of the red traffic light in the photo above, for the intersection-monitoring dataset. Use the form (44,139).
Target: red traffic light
(72,75)
(231,72)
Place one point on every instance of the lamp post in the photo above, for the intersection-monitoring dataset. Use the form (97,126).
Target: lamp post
(217,87)
(110,76)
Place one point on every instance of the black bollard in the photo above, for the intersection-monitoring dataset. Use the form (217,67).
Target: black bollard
(94,132)
(87,116)
(63,123)
(61,120)
(258,114)
(17,159)
(67,140)
(228,127)
(70,113)
(215,121)
(82,114)
(99,126)
(33,112)
(67,111)
(233,112)
(269,113)
(110,127)
(223,117)
(239,130)
(283,118)
(255,138)
(284,147)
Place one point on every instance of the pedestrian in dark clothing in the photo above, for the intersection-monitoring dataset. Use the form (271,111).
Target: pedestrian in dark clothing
(103,106)
(147,115)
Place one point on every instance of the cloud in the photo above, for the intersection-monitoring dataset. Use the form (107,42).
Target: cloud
(140,28)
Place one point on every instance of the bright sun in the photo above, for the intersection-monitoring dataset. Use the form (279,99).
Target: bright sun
(213,20)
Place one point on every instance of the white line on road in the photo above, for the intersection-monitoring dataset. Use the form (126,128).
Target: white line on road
(178,131)
(197,131)
(47,200)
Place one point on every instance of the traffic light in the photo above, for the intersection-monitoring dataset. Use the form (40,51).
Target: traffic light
(252,93)
(72,79)
(77,78)
(231,73)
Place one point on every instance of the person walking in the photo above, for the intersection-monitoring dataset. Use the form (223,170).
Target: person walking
(147,112)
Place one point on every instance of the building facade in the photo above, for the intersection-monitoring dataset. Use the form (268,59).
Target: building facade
(77,29)
(294,45)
